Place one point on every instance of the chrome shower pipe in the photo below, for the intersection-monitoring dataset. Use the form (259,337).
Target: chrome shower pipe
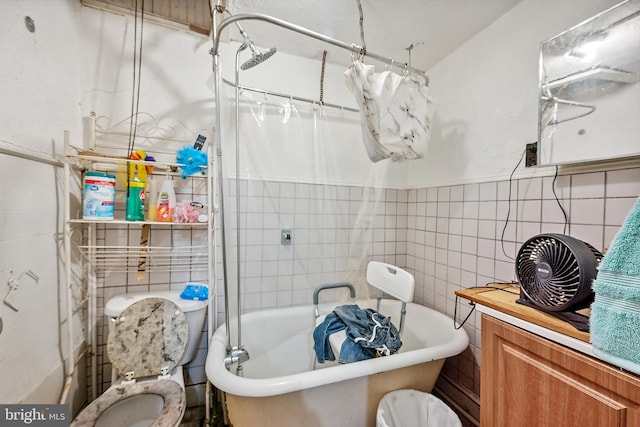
(235,354)
(238,353)
(305,31)
(257,57)
(245,37)
(232,352)
(238,259)
(221,193)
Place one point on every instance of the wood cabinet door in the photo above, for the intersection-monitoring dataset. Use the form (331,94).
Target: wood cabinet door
(529,381)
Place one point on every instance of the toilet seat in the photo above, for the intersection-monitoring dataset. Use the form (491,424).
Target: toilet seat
(147,341)
(170,391)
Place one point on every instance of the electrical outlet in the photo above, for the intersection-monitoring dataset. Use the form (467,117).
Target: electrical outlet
(531,156)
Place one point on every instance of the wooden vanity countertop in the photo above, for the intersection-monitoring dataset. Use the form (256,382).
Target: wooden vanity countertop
(504,300)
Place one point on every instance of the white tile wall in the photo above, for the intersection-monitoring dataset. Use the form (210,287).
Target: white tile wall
(477,253)
(449,237)
(623,183)
(587,185)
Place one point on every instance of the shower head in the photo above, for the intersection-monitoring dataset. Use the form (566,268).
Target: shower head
(257,57)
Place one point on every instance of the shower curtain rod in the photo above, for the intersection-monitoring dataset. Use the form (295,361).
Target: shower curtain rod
(302,30)
(287,96)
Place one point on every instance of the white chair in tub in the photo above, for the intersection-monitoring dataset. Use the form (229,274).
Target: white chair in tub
(386,278)
(393,281)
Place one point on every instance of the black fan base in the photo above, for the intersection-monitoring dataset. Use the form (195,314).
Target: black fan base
(579,321)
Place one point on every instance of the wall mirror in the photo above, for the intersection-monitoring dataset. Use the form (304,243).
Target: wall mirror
(589,92)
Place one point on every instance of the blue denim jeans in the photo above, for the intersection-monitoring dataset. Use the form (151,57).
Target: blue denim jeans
(369,334)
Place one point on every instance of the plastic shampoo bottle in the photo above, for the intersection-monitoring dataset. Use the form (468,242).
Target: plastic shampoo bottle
(166,201)
(152,194)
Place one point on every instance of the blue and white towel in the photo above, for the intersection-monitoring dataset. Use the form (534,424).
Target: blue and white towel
(615,312)
(395,112)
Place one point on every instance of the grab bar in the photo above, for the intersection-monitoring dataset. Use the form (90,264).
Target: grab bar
(320,288)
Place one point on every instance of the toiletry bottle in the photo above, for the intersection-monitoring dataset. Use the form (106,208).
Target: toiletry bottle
(166,201)
(152,193)
(135,201)
(136,192)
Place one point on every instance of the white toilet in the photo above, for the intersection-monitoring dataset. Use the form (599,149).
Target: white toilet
(151,335)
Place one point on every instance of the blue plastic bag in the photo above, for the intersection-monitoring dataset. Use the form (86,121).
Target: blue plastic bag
(195,291)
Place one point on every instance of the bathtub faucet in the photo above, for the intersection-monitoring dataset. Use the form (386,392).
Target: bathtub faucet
(236,354)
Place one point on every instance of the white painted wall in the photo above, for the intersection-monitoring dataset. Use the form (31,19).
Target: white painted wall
(39,101)
(40,72)
(175,76)
(486,94)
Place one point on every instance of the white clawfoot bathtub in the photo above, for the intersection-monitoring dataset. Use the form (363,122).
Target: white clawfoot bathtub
(280,386)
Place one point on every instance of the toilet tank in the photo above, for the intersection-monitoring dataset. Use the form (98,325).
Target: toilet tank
(194,311)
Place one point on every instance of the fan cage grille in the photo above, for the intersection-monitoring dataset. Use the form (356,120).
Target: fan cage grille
(552,273)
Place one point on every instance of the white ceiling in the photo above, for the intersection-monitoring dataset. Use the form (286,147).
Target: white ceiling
(435,27)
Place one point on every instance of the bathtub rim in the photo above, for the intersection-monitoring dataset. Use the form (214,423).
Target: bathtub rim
(228,382)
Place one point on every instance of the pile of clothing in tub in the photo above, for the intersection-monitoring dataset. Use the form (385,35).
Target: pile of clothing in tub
(369,334)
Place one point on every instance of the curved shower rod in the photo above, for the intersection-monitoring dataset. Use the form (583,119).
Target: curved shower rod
(305,31)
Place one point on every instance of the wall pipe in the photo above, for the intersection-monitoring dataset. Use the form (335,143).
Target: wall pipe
(211,270)
(32,157)
(212,214)
(70,368)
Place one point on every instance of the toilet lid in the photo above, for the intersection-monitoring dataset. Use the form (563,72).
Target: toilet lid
(149,335)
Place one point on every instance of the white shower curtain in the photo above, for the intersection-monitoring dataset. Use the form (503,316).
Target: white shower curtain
(301,169)
(395,110)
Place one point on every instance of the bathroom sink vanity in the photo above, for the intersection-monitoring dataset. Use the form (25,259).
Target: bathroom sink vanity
(537,370)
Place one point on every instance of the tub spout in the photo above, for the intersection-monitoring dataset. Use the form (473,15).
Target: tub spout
(236,355)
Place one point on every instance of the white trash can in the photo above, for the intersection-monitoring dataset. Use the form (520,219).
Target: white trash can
(412,408)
